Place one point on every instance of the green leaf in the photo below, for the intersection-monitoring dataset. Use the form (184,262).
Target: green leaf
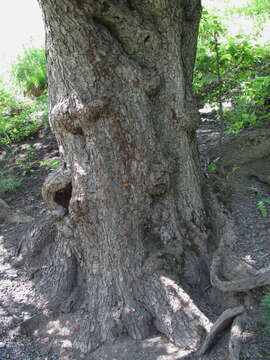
(261,207)
(226,57)
(212,166)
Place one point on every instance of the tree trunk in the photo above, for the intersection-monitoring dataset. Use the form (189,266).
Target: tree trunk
(127,199)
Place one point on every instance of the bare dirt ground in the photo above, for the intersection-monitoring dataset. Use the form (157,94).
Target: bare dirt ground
(239,185)
(19,299)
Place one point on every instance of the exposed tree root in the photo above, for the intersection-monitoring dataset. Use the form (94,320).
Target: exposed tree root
(259,278)
(59,279)
(152,301)
(235,343)
(248,147)
(31,248)
(150,349)
(226,233)
(221,324)
(176,315)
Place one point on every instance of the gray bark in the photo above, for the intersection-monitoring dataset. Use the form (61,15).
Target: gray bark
(224,320)
(127,199)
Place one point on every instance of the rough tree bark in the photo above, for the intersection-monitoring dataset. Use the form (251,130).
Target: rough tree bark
(127,200)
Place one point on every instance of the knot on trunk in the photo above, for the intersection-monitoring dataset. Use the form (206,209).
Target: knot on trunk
(72,115)
(62,116)
(153,85)
(92,111)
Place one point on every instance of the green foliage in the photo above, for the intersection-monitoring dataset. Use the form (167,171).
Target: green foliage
(205,74)
(210,25)
(8,183)
(256,8)
(240,116)
(19,120)
(238,76)
(262,206)
(51,163)
(29,72)
(31,153)
(251,105)
(232,171)
(28,163)
(212,166)
(266,310)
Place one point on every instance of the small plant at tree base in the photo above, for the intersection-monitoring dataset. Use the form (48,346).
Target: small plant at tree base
(28,163)
(266,310)
(232,171)
(26,166)
(52,163)
(262,206)
(213,165)
(31,153)
(254,189)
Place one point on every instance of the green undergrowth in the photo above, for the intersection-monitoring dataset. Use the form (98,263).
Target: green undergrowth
(20,119)
(233,73)
(23,113)
(24,108)
(263,204)
(262,207)
(29,71)
(265,304)
(8,183)
(256,8)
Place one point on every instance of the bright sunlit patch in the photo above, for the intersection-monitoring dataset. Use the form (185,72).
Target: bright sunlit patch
(224,4)
(56,328)
(237,23)
(179,299)
(20,24)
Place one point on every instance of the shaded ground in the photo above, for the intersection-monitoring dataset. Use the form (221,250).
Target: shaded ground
(240,186)
(19,299)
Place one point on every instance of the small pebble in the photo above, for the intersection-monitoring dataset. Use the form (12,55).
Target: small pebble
(2,345)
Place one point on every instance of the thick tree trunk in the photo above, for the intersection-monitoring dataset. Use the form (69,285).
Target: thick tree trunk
(128,196)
